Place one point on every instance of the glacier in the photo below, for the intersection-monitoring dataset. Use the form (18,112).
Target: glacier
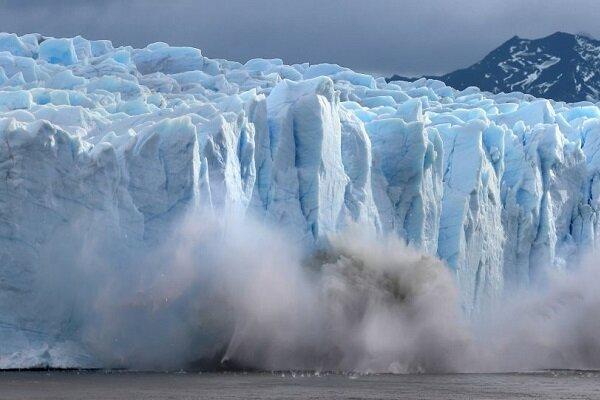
(502,187)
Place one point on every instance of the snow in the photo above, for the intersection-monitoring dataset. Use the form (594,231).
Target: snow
(504,188)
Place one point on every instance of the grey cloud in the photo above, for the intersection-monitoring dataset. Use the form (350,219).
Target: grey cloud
(380,36)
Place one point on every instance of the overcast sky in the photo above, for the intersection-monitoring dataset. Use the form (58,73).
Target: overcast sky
(380,36)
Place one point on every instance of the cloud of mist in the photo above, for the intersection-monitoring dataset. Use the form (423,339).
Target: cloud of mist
(368,305)
(551,327)
(222,292)
(226,291)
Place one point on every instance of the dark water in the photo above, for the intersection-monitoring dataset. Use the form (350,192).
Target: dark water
(133,386)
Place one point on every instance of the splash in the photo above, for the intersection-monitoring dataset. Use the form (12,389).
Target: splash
(552,326)
(223,292)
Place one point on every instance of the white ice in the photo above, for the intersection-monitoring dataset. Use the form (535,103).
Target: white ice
(502,187)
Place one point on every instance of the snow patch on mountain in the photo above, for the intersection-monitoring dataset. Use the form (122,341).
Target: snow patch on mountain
(562,67)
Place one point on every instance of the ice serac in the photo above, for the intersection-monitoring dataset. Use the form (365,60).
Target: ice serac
(309,179)
(471,235)
(103,143)
(162,166)
(408,161)
(357,158)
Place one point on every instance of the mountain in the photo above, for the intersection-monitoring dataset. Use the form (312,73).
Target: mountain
(561,66)
(105,151)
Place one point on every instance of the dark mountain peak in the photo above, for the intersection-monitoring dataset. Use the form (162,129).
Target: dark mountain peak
(561,66)
(513,41)
(559,35)
(559,40)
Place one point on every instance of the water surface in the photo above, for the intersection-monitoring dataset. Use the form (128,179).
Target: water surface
(572,385)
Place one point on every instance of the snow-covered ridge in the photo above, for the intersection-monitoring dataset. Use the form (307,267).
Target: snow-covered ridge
(499,186)
(560,66)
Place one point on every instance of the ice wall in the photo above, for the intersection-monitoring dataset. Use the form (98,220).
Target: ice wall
(502,187)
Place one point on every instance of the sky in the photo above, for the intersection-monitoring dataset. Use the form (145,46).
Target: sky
(409,37)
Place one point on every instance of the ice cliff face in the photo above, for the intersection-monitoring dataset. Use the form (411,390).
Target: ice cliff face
(501,187)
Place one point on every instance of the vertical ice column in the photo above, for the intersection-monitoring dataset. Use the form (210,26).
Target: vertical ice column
(308,180)
(471,234)
(229,152)
(255,107)
(357,157)
(586,222)
(561,166)
(409,159)
(162,168)
(521,189)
